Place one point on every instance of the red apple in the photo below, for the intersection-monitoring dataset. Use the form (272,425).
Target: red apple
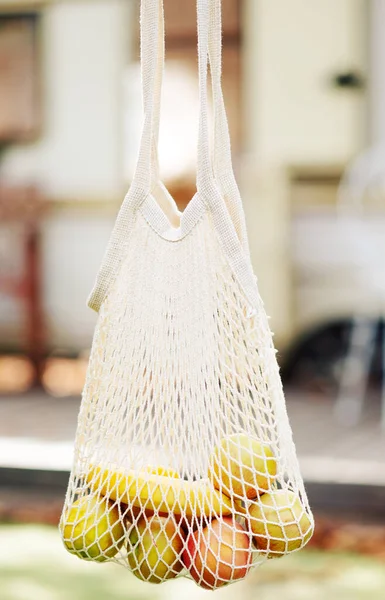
(218,554)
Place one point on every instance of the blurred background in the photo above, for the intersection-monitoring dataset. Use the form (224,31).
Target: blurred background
(304,83)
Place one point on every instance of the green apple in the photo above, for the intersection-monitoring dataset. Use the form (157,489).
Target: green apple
(243,467)
(155,547)
(92,528)
(280,523)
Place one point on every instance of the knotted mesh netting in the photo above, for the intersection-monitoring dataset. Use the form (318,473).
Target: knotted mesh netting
(184,458)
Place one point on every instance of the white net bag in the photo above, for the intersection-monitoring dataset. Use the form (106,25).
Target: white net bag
(184,459)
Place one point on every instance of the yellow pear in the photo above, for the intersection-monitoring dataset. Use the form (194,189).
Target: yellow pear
(242,467)
(155,547)
(280,523)
(91,528)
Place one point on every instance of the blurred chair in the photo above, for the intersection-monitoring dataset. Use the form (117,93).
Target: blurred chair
(25,207)
(362,188)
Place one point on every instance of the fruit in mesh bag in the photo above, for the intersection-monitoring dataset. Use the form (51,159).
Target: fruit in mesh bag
(218,553)
(280,523)
(154,549)
(157,493)
(92,528)
(241,466)
(165,471)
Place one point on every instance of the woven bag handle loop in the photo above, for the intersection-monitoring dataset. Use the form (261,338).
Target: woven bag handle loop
(152,66)
(226,214)
(221,156)
(158,93)
(209,13)
(205,175)
(215,175)
(152,58)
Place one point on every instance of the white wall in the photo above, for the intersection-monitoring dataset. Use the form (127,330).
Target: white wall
(85,47)
(377,71)
(293,116)
(294,49)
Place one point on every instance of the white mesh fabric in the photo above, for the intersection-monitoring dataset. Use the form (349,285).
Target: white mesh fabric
(177,366)
(184,459)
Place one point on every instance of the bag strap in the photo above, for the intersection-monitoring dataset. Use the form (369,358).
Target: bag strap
(222,162)
(152,58)
(205,175)
(228,216)
(221,154)
(219,167)
(233,241)
(152,66)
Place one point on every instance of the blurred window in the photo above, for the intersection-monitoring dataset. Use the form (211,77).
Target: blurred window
(19,111)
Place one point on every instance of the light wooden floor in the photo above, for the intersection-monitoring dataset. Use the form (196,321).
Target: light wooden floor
(37,431)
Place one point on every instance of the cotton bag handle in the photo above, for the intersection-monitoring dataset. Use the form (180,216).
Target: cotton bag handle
(152,64)
(209,14)
(233,242)
(222,162)
(152,53)
(152,59)
(221,154)
(147,171)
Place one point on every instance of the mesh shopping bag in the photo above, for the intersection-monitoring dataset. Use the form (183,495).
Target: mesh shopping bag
(184,459)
